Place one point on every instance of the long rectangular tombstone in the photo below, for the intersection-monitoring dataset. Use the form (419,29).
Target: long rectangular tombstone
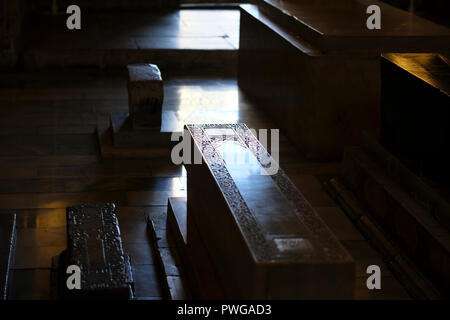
(314,66)
(264,239)
(94,245)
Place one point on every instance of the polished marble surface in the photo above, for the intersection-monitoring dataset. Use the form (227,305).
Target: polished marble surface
(210,102)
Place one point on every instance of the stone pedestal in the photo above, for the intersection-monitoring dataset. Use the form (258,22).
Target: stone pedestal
(141,127)
(125,135)
(145,95)
(263,238)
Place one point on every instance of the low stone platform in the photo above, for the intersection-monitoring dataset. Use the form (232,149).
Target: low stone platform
(263,238)
(200,274)
(7,244)
(167,256)
(95,246)
(125,136)
(411,211)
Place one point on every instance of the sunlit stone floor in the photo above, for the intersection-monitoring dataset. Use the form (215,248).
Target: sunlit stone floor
(181,29)
(49,159)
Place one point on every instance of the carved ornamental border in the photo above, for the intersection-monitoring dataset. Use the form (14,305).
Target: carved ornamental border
(263,248)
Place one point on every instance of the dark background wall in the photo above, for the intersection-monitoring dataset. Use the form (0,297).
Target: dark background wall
(12,17)
(435,10)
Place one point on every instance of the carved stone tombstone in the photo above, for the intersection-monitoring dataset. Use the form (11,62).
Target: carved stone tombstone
(94,245)
(262,237)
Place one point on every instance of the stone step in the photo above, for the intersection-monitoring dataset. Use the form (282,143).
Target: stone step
(433,197)
(416,284)
(7,244)
(168,257)
(423,237)
(415,111)
(198,265)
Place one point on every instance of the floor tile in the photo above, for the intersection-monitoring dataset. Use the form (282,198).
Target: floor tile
(31,284)
(146,281)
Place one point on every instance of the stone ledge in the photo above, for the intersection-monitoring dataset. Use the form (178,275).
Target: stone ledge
(169,261)
(417,284)
(7,246)
(424,238)
(126,137)
(203,280)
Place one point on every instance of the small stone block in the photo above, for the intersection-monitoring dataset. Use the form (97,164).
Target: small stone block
(145,95)
(94,244)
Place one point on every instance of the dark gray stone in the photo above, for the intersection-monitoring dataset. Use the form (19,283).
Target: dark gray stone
(94,244)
